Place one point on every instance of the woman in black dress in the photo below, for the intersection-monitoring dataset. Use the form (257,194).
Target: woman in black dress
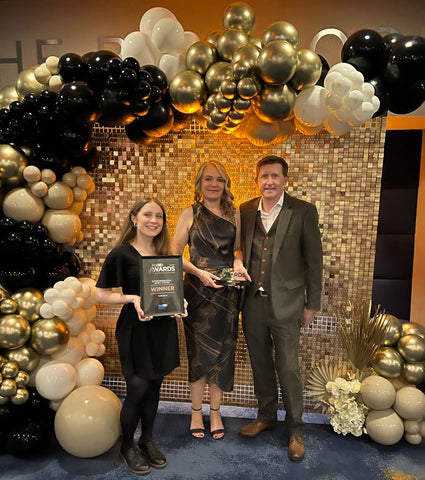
(148,346)
(211,228)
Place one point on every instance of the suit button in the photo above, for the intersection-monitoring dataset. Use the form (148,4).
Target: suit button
(262,272)
(265,249)
(263,260)
(260,284)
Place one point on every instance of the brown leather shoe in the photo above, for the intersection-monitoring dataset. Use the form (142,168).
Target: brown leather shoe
(255,428)
(296,448)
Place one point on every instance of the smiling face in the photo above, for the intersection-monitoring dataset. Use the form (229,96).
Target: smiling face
(149,220)
(212,183)
(271,182)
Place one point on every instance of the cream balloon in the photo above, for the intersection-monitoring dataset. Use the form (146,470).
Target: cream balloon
(310,106)
(168,36)
(377,392)
(72,352)
(63,226)
(412,426)
(410,403)
(21,204)
(87,423)
(171,65)
(140,46)
(414,439)
(89,372)
(152,16)
(59,196)
(55,380)
(384,426)
(52,63)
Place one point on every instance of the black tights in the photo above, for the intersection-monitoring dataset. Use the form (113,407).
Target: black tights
(141,403)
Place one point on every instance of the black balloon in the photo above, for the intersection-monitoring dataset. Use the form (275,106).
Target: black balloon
(389,40)
(158,76)
(89,161)
(181,120)
(15,277)
(132,63)
(409,55)
(45,159)
(97,68)
(159,121)
(136,134)
(406,98)
(365,50)
(127,79)
(78,105)
(325,70)
(75,142)
(114,112)
(72,68)
(71,261)
(381,93)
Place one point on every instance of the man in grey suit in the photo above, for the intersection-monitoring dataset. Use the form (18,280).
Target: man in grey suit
(282,250)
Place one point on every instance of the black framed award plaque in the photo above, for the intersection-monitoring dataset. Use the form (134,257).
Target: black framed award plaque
(161,285)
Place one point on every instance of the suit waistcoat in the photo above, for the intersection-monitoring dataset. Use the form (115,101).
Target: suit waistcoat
(261,256)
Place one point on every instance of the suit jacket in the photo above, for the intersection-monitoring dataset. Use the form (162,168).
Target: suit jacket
(297,264)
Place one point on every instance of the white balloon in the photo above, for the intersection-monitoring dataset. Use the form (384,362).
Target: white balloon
(343,68)
(60,285)
(55,83)
(48,176)
(168,36)
(32,174)
(336,127)
(344,114)
(364,112)
(85,290)
(140,46)
(89,372)
(341,86)
(68,295)
(368,91)
(153,16)
(46,311)
(52,63)
(33,373)
(98,336)
(356,78)
(377,392)
(101,350)
(384,426)
(39,189)
(410,403)
(171,65)
(353,99)
(189,39)
(310,106)
(92,349)
(77,323)
(70,179)
(376,103)
(72,353)
(333,102)
(55,380)
(21,204)
(61,308)
(85,338)
(42,74)
(55,404)
(330,78)
(412,426)
(51,294)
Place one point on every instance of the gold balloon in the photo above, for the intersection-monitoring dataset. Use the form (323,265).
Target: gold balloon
(8,306)
(412,348)
(49,335)
(212,127)
(242,68)
(286,129)
(306,129)
(216,74)
(230,41)
(281,30)
(12,165)
(248,52)
(200,56)
(27,83)
(20,397)
(241,105)
(10,370)
(8,388)
(3,294)
(393,329)
(274,103)
(388,362)
(29,301)
(260,133)
(26,357)
(8,95)
(187,91)
(221,103)
(2,361)
(414,373)
(228,89)
(218,118)
(248,88)
(213,37)
(277,62)
(308,70)
(14,331)
(239,15)
(3,400)
(411,328)
(235,117)
(22,378)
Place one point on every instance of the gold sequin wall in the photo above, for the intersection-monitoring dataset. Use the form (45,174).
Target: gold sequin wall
(340,175)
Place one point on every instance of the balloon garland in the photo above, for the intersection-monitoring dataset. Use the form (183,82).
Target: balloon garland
(260,89)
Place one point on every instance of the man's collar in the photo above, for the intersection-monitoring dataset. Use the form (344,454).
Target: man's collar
(279,202)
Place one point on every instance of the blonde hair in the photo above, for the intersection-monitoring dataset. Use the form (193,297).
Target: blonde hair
(226,201)
(128,230)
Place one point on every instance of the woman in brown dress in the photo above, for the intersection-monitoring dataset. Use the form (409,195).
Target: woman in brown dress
(211,228)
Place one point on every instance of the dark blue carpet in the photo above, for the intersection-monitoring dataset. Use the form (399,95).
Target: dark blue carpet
(329,457)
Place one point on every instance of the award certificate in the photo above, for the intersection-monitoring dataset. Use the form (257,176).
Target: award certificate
(161,285)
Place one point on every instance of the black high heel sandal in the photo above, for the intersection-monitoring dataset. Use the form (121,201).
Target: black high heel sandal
(197,430)
(218,430)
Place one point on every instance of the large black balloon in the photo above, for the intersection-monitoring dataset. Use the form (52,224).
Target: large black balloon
(97,68)
(30,440)
(14,277)
(158,76)
(381,93)
(76,141)
(389,40)
(406,98)
(72,262)
(72,68)
(408,54)
(78,105)
(114,112)
(89,161)
(136,134)
(158,122)
(46,159)
(365,50)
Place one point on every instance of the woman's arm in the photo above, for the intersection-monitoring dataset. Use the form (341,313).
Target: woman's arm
(114,296)
(238,266)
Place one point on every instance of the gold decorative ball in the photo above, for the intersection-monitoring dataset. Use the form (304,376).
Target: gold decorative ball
(14,331)
(21,396)
(388,362)
(7,306)
(49,335)
(412,348)
(394,329)
(26,357)
(29,301)
(8,388)
(22,378)
(10,370)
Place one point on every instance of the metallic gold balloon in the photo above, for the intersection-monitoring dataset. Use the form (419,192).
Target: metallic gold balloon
(212,127)
(26,83)
(248,52)
(3,294)
(281,30)
(20,397)
(228,89)
(255,41)
(248,88)
(414,373)
(26,357)
(412,348)
(216,74)
(218,118)
(29,301)
(239,15)
(2,361)
(260,133)
(49,335)
(187,91)
(388,362)
(241,105)
(8,95)
(235,117)
(14,331)
(200,56)
(221,103)
(277,62)
(12,165)
(286,129)
(274,103)
(10,370)
(229,41)
(8,306)
(4,400)
(213,37)
(394,329)
(22,378)
(7,388)
(411,328)
(242,68)
(308,70)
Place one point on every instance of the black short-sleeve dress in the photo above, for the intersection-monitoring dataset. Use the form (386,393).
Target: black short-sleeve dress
(146,349)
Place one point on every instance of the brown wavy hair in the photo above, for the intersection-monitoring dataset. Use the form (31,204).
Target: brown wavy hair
(128,230)
(226,201)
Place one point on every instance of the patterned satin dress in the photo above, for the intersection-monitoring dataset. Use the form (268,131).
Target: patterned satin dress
(211,326)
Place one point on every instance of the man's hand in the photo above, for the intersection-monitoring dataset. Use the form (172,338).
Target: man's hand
(308,317)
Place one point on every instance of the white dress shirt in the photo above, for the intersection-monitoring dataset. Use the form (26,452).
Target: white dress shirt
(269,218)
